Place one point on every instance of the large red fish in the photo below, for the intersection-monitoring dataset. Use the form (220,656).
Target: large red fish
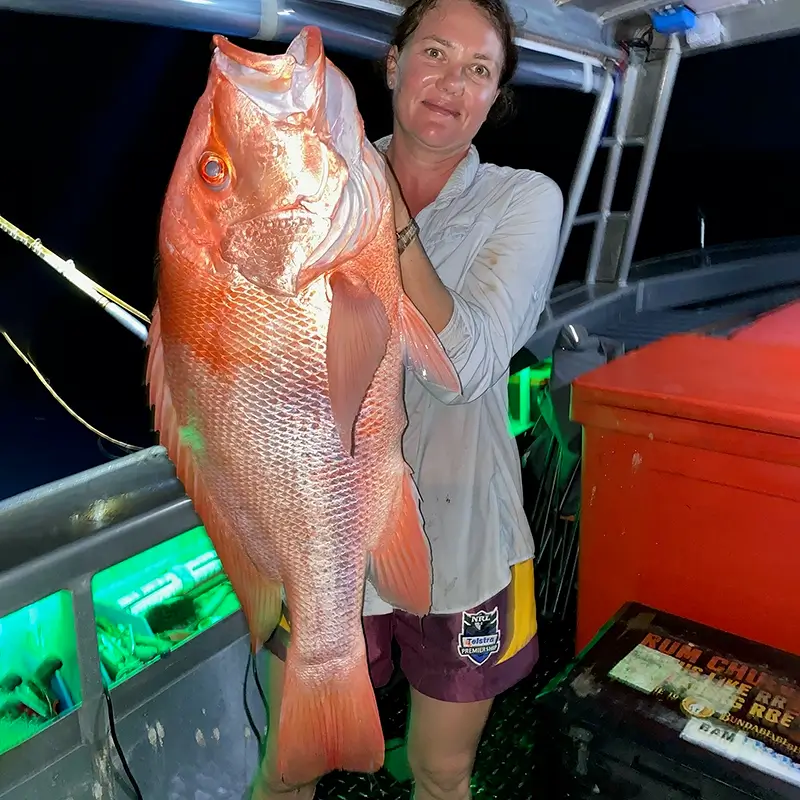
(276,369)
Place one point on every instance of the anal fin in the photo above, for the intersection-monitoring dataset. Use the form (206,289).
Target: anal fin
(259,595)
(358,332)
(400,565)
(423,350)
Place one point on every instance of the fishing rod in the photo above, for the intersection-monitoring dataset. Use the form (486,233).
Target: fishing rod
(126,315)
(129,317)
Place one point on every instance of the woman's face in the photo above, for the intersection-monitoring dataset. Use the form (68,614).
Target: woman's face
(445,79)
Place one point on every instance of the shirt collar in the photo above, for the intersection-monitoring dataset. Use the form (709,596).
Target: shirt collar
(458,182)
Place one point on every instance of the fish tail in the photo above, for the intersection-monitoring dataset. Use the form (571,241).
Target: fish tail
(328,725)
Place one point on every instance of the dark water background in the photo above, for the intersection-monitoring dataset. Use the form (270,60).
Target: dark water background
(93,114)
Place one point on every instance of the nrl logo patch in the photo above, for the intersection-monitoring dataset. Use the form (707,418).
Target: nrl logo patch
(480,636)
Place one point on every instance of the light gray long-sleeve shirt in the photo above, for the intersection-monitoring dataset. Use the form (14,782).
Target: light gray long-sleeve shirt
(492,235)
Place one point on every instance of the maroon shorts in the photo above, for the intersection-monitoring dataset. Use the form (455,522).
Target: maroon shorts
(453,657)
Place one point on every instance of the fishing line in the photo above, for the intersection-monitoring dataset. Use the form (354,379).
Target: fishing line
(132,319)
(119,443)
(123,313)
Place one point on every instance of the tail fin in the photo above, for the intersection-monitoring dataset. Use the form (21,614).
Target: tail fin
(328,726)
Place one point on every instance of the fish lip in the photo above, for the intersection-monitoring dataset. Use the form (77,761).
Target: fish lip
(278,84)
(286,212)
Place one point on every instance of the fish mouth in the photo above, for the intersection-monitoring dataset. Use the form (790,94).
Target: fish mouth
(281,85)
(302,87)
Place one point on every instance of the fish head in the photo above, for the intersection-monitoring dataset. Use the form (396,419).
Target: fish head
(275,182)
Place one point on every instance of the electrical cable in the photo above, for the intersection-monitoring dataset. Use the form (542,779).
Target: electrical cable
(118,747)
(643,42)
(247,712)
(260,688)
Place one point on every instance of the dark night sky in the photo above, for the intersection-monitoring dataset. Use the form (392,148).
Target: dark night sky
(94,114)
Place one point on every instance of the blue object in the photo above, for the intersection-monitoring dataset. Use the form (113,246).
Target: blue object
(60,689)
(673,19)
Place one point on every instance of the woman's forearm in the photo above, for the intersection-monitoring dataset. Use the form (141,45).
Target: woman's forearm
(424,288)
(420,281)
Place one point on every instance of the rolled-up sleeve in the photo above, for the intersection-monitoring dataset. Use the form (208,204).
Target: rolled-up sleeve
(497,308)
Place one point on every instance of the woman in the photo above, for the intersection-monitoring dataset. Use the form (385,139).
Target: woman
(478,244)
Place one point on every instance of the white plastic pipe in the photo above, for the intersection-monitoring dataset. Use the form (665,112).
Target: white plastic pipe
(361,27)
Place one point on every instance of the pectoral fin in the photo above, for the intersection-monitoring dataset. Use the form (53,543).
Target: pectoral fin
(358,332)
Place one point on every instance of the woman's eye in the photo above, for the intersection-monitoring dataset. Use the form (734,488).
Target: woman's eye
(481,71)
(433,52)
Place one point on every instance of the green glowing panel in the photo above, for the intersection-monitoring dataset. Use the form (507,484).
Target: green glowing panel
(39,678)
(523,386)
(155,601)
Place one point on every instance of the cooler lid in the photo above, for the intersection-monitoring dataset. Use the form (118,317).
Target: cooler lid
(732,382)
(781,327)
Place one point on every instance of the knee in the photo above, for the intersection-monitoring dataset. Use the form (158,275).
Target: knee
(443,778)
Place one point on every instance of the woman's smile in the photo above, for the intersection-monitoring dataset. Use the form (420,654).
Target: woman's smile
(441,110)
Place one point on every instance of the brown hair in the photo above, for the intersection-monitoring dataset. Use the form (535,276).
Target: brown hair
(500,17)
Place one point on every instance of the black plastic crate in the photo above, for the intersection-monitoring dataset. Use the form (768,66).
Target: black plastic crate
(661,708)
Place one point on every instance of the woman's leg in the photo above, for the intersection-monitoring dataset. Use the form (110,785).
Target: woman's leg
(442,742)
(456,665)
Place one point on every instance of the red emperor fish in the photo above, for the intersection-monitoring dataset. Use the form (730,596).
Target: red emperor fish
(277,357)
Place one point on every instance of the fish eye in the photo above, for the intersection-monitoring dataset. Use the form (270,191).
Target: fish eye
(214,171)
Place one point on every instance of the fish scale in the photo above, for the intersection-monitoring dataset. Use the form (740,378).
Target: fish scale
(276,370)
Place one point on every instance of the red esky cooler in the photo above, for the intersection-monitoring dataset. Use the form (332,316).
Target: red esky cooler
(691,484)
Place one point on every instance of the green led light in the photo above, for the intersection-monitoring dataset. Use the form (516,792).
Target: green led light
(521,387)
(184,570)
(33,640)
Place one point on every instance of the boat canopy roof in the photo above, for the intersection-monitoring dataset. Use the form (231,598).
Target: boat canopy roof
(565,43)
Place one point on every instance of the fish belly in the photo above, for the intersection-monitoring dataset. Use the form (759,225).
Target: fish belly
(305,512)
